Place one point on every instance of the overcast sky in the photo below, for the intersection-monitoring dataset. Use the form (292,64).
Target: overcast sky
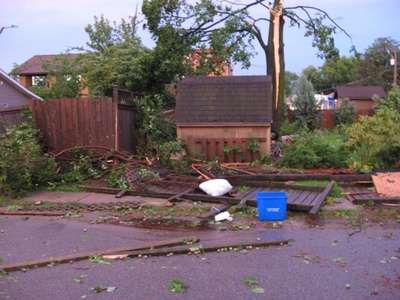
(53,26)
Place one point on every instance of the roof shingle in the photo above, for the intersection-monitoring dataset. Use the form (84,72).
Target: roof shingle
(35,65)
(229,99)
(360,92)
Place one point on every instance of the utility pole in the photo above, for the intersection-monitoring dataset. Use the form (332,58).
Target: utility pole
(393,62)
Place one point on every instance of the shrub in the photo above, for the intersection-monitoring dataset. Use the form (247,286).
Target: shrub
(306,106)
(374,141)
(117,178)
(23,165)
(80,169)
(289,128)
(316,149)
(346,113)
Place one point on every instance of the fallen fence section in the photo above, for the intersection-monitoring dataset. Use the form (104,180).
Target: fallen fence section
(298,199)
(371,197)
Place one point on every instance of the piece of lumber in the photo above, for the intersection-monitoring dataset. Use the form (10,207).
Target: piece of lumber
(178,196)
(32,213)
(87,255)
(237,170)
(303,176)
(120,194)
(206,249)
(376,200)
(321,198)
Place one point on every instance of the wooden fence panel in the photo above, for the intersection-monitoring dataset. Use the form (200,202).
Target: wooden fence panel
(66,123)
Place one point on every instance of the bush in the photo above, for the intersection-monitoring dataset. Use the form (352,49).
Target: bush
(23,165)
(117,178)
(346,113)
(375,140)
(316,149)
(306,106)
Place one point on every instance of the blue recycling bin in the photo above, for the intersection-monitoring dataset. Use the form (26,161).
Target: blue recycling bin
(272,206)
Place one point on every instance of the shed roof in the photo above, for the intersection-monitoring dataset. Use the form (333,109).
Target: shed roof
(360,92)
(17,86)
(35,65)
(227,99)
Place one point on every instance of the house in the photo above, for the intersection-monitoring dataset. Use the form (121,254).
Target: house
(33,72)
(14,98)
(224,67)
(226,117)
(361,96)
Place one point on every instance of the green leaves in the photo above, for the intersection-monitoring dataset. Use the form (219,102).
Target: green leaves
(177,286)
(252,283)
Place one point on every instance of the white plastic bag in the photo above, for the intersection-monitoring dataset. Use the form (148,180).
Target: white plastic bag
(216,187)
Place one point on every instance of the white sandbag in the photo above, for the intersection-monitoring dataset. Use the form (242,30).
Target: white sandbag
(216,187)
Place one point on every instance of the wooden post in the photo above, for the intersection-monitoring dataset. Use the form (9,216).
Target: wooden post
(116,119)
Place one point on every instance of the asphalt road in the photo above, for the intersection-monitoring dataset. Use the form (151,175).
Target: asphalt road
(320,264)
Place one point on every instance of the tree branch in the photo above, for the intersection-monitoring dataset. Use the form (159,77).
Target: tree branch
(305,7)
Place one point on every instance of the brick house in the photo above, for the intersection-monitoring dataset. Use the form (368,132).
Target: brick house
(228,117)
(34,69)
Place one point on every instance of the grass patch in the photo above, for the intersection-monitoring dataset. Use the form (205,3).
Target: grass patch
(177,286)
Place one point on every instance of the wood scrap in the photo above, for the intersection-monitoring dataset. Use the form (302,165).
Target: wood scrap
(196,167)
(321,198)
(87,255)
(32,213)
(175,198)
(237,170)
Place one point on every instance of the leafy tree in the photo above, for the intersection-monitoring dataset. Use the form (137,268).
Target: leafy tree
(229,29)
(333,72)
(375,66)
(305,104)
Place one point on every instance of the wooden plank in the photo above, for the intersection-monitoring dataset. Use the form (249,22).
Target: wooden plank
(87,255)
(302,176)
(321,198)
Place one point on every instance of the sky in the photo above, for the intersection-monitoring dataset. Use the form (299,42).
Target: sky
(54,26)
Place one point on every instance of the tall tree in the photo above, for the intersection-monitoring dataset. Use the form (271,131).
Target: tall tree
(229,28)
(333,72)
(375,67)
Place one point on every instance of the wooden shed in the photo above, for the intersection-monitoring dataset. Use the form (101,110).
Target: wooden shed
(14,99)
(361,96)
(228,118)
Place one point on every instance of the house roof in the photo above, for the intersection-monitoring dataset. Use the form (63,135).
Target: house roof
(35,65)
(360,92)
(4,76)
(226,99)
